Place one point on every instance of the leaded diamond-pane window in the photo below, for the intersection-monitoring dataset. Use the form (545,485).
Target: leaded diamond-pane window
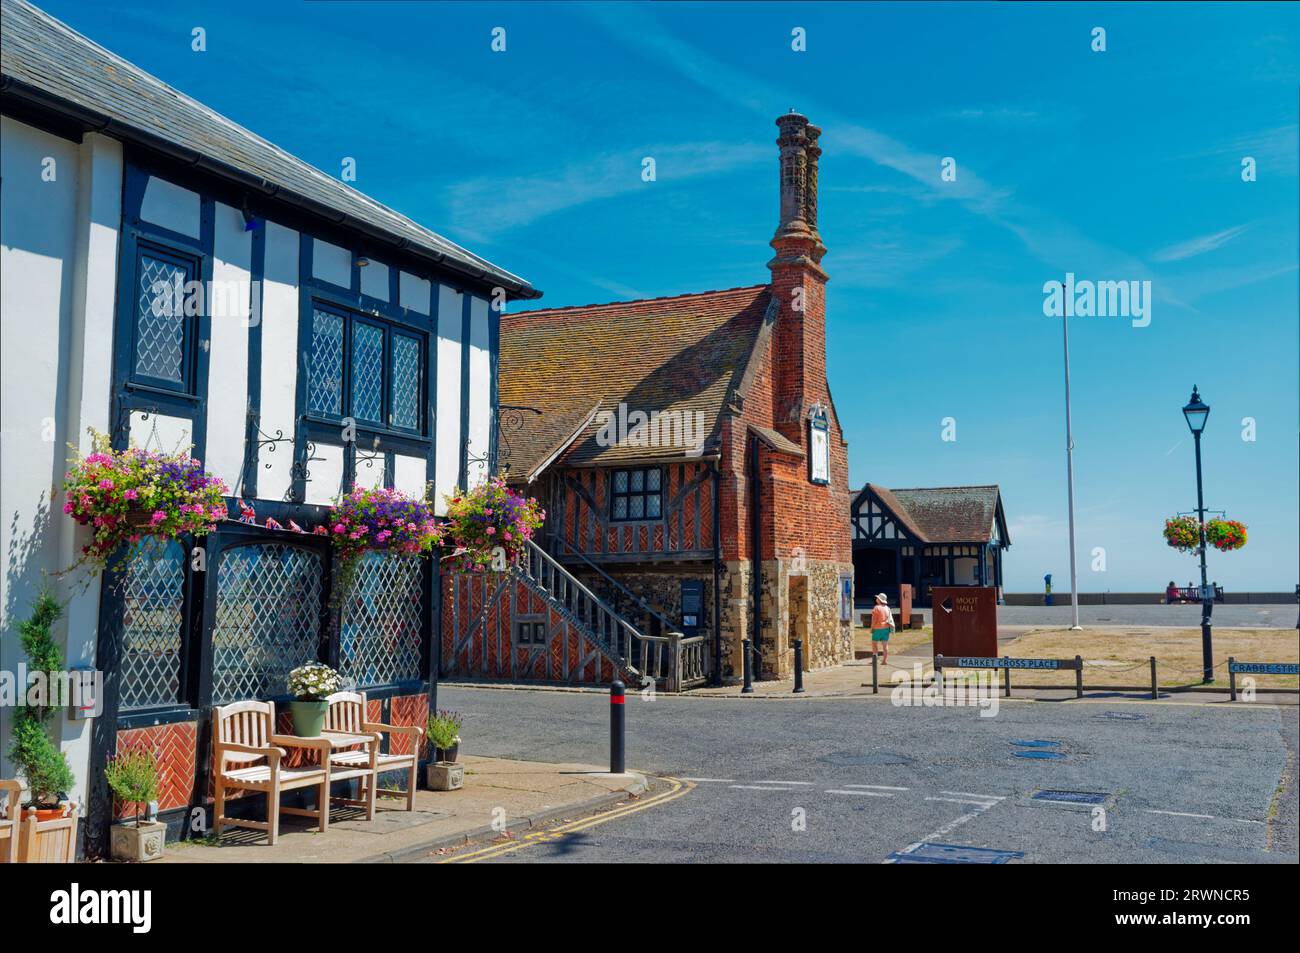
(325,372)
(153,600)
(367,372)
(379,639)
(161,325)
(636,494)
(267,619)
(407,368)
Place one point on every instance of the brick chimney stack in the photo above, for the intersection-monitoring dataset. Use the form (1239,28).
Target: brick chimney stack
(798,282)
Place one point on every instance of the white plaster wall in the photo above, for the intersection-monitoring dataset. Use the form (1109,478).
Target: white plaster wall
(171,207)
(161,432)
(331,263)
(58,276)
(409,475)
(370,472)
(374,280)
(480,389)
(413,292)
(228,301)
(326,475)
(447,408)
(37,251)
(279,359)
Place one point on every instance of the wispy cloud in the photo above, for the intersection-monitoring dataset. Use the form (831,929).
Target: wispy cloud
(489,205)
(1199,246)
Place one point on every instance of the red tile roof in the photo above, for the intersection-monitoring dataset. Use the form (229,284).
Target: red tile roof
(684,353)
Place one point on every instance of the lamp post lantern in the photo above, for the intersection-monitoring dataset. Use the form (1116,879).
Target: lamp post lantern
(1197,412)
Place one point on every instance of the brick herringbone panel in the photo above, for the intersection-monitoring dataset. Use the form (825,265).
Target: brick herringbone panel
(174,747)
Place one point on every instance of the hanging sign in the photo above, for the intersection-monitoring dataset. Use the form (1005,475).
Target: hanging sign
(819,449)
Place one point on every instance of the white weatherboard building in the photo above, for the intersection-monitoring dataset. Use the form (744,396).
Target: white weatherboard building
(320,307)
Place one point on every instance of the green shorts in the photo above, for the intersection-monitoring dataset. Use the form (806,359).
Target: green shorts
(880,635)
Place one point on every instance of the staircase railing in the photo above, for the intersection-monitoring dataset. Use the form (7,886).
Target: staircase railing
(618,587)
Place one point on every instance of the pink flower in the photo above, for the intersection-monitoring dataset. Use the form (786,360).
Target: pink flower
(491,530)
(106,484)
(158,517)
(507,537)
(67,507)
(131,494)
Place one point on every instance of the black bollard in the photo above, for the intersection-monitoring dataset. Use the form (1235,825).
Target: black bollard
(748,687)
(798,666)
(616,726)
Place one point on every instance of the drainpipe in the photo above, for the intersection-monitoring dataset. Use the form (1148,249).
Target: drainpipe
(755,521)
(717,574)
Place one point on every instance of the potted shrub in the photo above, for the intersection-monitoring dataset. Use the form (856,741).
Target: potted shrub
(443,773)
(486,518)
(133,777)
(124,495)
(310,685)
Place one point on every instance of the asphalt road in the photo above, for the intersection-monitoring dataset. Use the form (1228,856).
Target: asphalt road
(861,780)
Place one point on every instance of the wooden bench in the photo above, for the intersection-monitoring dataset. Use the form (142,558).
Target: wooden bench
(347,714)
(243,734)
(12,793)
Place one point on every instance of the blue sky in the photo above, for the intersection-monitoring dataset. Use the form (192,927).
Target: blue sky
(1115,165)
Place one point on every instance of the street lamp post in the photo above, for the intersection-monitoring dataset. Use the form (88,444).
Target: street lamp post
(1069,468)
(1197,412)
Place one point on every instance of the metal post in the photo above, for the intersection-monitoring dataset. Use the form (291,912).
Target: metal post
(875,674)
(748,687)
(798,666)
(1155,691)
(1078,676)
(1232,680)
(1006,675)
(617,723)
(1069,460)
(1207,598)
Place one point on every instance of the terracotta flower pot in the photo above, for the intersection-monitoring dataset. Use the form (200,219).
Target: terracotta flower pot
(43,813)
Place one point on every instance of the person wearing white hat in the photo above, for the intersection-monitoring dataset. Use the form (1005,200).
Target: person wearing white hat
(882,624)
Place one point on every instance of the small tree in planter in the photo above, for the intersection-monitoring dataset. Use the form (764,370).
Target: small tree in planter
(133,777)
(38,759)
(310,685)
(487,518)
(443,774)
(125,495)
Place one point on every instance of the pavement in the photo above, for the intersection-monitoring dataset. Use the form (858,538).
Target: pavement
(513,794)
(858,779)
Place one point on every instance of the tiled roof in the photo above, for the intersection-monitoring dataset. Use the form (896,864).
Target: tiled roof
(684,353)
(944,514)
(47,63)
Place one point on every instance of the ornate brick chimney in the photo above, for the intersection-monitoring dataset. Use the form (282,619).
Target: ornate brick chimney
(798,282)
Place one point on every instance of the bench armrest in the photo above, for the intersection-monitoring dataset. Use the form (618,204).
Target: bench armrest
(272,754)
(294,741)
(413,730)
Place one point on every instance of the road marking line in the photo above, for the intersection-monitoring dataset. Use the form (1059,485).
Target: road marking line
(760,787)
(879,787)
(946,829)
(982,797)
(1203,817)
(678,788)
(711,780)
(808,783)
(962,800)
(861,793)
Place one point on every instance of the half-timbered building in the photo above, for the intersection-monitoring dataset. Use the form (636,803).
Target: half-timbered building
(332,342)
(923,537)
(694,474)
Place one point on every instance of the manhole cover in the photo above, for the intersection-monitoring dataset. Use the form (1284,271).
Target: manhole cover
(854,759)
(1039,755)
(1123,715)
(1037,744)
(927,853)
(1071,797)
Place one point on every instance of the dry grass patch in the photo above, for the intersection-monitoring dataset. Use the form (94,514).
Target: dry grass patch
(900,641)
(1119,655)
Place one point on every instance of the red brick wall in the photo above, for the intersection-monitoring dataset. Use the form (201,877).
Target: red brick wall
(174,747)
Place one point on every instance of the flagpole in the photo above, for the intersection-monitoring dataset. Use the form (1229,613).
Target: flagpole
(1069,461)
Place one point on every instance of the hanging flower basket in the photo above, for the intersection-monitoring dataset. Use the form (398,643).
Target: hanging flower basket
(1183,533)
(382,519)
(1225,535)
(487,517)
(125,495)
